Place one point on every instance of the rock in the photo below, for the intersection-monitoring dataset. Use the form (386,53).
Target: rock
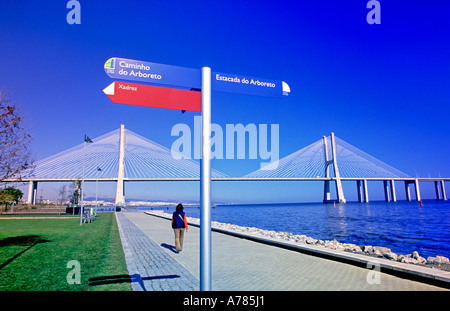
(443,259)
(352,248)
(380,251)
(310,240)
(332,244)
(438,260)
(390,255)
(287,236)
(406,259)
(320,243)
(299,238)
(340,247)
(417,257)
(272,233)
(367,249)
(377,253)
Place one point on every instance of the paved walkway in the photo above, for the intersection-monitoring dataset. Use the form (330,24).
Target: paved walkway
(238,264)
(150,267)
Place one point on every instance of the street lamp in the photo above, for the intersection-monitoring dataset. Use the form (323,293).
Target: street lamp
(86,140)
(96,188)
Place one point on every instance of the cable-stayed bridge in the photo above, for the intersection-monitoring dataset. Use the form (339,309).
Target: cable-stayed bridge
(124,156)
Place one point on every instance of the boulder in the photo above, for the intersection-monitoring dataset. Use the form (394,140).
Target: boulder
(438,260)
(352,248)
(380,251)
(390,255)
(443,259)
(419,259)
(320,243)
(333,244)
(299,238)
(367,249)
(310,240)
(406,259)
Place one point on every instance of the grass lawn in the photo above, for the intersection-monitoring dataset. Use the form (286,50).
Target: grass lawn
(34,254)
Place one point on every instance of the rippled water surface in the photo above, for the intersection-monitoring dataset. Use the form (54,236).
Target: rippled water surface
(403,226)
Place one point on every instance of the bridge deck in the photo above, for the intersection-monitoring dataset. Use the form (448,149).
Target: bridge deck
(232,179)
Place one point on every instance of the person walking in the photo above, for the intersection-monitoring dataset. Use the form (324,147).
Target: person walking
(179,225)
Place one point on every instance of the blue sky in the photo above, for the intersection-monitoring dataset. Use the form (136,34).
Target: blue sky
(383,88)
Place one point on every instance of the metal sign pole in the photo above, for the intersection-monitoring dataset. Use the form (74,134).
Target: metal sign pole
(205,184)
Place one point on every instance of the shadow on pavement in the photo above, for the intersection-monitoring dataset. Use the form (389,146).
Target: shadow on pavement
(125,278)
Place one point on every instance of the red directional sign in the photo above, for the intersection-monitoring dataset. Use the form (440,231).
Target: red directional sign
(153,96)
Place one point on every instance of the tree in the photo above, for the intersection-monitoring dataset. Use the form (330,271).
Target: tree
(15,157)
(62,193)
(10,195)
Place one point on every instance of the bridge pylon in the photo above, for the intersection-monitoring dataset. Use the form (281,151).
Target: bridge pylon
(337,177)
(120,193)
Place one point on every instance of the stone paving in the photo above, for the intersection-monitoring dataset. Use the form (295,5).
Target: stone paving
(238,264)
(149,266)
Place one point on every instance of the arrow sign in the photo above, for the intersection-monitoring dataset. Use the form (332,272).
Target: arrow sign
(153,96)
(225,82)
(153,73)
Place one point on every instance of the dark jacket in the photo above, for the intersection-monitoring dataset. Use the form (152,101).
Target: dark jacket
(179,220)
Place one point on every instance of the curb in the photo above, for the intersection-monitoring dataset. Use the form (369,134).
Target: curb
(422,274)
(129,258)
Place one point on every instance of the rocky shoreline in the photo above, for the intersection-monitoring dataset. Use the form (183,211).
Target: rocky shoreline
(439,262)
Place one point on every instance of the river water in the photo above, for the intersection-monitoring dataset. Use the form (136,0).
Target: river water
(404,227)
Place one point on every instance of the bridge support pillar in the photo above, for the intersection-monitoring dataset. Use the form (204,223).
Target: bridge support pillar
(77,192)
(444,196)
(416,189)
(386,191)
(120,193)
(359,190)
(436,188)
(389,191)
(326,192)
(366,191)
(440,190)
(393,195)
(407,191)
(339,190)
(32,192)
(363,192)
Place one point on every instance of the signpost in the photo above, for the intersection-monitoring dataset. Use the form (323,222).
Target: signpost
(185,96)
(205,184)
(153,96)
